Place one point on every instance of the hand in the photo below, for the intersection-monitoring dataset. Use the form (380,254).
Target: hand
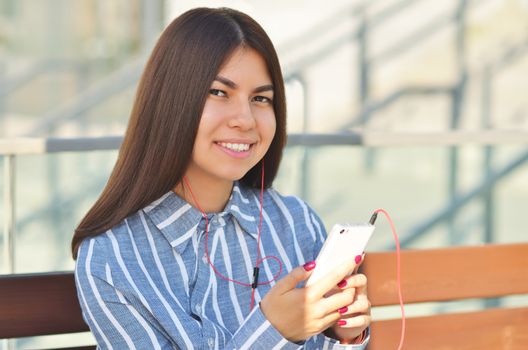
(356,317)
(299,313)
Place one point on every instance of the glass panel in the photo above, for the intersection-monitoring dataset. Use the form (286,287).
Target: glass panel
(346,184)
(54,192)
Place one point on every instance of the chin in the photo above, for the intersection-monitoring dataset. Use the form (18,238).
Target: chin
(235,175)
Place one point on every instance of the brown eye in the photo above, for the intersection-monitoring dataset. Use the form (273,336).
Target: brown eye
(217,92)
(263,99)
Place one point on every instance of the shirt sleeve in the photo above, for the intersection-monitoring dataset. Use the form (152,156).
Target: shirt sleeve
(258,333)
(113,321)
(323,342)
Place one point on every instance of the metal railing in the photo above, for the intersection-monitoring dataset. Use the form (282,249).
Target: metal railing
(126,76)
(10,149)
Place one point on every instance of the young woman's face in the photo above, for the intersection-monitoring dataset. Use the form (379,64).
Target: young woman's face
(238,121)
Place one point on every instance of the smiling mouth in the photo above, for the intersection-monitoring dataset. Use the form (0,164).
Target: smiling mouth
(235,147)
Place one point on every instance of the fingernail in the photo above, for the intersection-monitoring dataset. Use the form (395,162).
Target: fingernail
(358,259)
(342,284)
(341,322)
(309,266)
(343,310)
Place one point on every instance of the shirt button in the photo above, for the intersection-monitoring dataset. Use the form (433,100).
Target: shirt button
(204,259)
(198,308)
(210,341)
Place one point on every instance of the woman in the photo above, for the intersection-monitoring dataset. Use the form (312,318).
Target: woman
(170,254)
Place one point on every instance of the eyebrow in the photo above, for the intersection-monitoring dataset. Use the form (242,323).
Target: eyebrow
(233,85)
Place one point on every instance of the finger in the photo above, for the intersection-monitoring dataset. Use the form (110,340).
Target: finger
(330,319)
(361,289)
(335,303)
(360,321)
(326,283)
(357,307)
(355,281)
(296,276)
(358,260)
(359,265)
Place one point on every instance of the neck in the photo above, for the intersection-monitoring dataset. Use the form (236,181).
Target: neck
(211,196)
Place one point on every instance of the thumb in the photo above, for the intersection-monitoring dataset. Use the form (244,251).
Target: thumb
(296,276)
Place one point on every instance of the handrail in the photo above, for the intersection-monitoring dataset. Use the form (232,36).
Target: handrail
(35,145)
(18,81)
(376,105)
(118,81)
(29,74)
(461,200)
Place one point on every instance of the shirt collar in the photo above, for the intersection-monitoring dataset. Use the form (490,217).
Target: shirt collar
(178,221)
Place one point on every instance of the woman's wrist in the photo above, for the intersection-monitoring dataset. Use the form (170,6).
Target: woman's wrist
(357,340)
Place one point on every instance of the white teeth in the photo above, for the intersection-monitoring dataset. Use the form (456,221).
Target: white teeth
(237,147)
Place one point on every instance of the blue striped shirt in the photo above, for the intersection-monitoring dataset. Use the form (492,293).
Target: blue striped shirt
(146,283)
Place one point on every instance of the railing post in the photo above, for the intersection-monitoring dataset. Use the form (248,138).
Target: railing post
(305,160)
(364,80)
(151,21)
(456,111)
(364,76)
(488,196)
(3,100)
(9,213)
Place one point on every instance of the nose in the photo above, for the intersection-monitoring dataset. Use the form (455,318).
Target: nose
(242,115)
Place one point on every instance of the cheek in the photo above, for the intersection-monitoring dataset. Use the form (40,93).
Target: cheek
(210,120)
(213,114)
(269,127)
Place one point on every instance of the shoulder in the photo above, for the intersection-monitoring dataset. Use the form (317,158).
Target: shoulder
(273,200)
(295,205)
(103,248)
(294,209)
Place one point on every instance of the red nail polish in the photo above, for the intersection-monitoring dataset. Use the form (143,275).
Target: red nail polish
(341,322)
(309,266)
(343,310)
(342,284)
(358,259)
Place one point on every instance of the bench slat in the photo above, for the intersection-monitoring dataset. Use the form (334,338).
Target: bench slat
(39,304)
(448,273)
(488,329)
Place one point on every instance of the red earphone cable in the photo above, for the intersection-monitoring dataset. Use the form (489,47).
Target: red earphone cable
(258,259)
(398,271)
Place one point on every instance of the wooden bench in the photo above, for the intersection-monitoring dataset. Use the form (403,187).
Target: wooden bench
(41,304)
(452,274)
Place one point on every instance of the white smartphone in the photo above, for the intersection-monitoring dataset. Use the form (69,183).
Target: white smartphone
(344,242)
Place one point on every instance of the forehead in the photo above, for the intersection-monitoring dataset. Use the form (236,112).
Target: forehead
(246,64)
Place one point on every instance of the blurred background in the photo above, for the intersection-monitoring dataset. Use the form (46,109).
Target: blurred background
(69,69)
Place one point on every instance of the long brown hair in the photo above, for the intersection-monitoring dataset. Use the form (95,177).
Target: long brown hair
(170,98)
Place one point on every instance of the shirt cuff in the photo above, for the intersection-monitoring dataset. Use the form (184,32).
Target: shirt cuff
(258,333)
(324,342)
